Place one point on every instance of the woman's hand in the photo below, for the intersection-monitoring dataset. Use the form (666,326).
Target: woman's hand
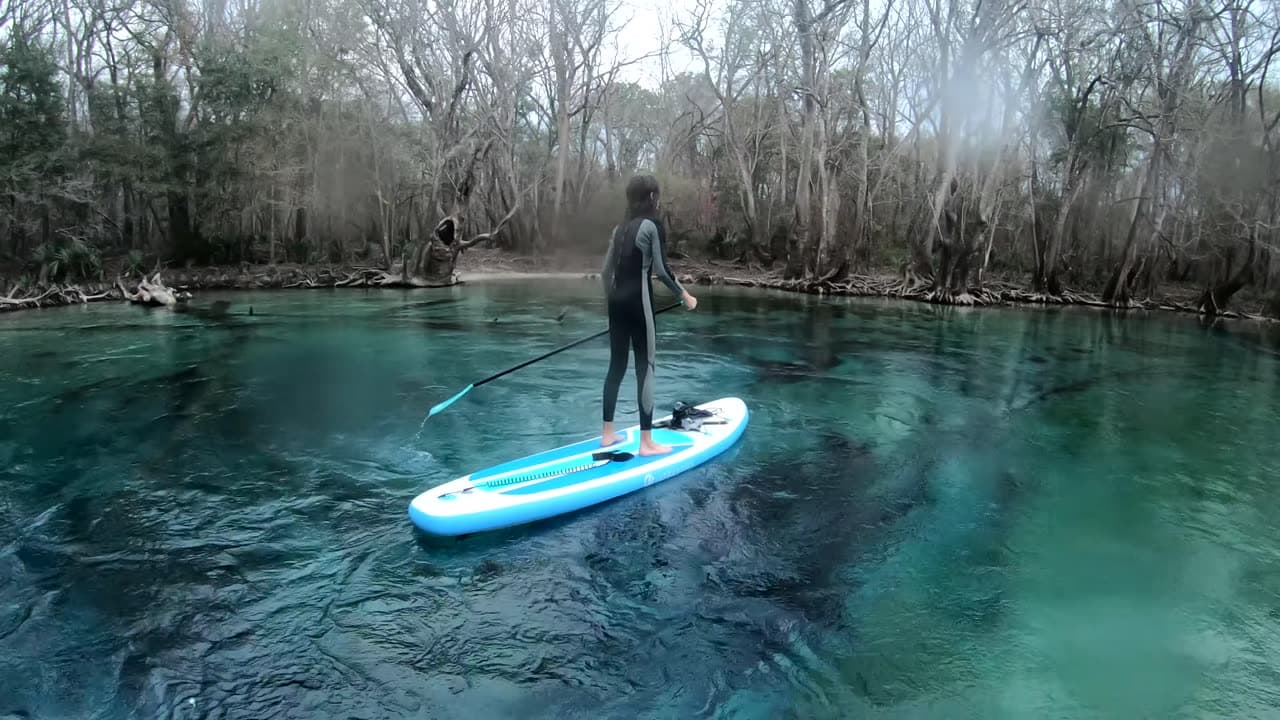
(690,302)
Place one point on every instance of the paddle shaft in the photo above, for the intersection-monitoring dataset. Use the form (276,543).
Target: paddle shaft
(544,356)
(441,406)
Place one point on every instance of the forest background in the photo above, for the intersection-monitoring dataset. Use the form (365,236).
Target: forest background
(1061,149)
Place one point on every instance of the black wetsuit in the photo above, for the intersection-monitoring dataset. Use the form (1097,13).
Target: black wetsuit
(635,249)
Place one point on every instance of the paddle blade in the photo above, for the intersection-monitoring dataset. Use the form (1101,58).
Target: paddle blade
(450,401)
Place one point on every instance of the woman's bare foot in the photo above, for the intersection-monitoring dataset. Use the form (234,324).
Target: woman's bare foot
(653,448)
(649,447)
(608,436)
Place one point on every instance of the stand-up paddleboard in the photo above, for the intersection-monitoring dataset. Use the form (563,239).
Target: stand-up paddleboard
(575,476)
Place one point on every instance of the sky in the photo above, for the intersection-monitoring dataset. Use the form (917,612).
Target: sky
(645,23)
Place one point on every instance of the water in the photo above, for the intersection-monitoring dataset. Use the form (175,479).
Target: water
(935,513)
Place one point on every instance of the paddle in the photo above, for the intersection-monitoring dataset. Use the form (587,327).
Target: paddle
(438,408)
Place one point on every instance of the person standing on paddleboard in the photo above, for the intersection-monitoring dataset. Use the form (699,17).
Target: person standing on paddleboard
(637,248)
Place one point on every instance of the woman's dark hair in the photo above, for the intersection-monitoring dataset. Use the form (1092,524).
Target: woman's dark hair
(642,196)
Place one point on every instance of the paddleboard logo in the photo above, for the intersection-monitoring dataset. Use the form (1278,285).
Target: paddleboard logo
(648,479)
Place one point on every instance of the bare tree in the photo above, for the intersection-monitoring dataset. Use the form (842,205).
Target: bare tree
(736,69)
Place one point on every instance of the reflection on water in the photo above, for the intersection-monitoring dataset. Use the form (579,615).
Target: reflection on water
(935,513)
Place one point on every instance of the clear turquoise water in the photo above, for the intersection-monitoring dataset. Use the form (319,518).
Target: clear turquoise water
(936,513)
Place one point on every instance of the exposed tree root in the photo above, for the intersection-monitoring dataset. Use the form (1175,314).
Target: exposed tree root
(951,297)
(359,277)
(913,287)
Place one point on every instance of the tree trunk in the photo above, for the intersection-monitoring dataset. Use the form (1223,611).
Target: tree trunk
(860,244)
(832,259)
(1046,280)
(1215,298)
(562,61)
(991,238)
(1118,290)
(801,260)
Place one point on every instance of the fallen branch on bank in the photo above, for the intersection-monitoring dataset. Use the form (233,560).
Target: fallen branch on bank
(20,298)
(152,292)
(178,284)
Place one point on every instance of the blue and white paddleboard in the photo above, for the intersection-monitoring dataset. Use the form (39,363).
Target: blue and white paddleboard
(573,477)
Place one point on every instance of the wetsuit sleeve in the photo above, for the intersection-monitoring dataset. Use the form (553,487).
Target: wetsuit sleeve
(650,240)
(610,262)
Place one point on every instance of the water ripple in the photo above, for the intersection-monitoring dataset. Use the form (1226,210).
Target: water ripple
(934,514)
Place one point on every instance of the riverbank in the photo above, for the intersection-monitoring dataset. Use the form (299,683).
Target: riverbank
(477,265)
(194,280)
(996,291)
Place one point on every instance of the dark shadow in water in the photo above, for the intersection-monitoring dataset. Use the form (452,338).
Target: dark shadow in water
(95,328)
(445,325)
(783,372)
(1261,337)
(408,308)
(814,512)
(217,311)
(1078,386)
(809,340)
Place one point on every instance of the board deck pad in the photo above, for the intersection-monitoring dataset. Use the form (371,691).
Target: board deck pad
(572,477)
